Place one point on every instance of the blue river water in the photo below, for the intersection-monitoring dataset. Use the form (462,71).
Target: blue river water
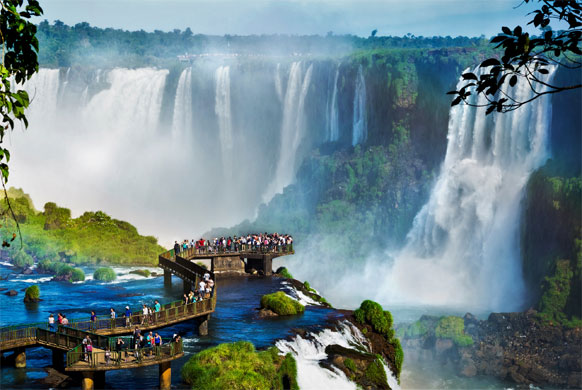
(235,319)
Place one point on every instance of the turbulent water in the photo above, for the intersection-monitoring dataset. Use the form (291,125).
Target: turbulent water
(310,351)
(159,148)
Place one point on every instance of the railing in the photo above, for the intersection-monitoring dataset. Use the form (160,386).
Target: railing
(169,313)
(123,357)
(18,334)
(243,248)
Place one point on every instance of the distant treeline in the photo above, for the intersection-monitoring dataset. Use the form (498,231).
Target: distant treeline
(62,45)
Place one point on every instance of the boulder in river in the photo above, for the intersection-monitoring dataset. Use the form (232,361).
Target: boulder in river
(11,293)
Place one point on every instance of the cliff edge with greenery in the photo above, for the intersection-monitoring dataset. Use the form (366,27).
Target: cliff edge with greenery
(53,236)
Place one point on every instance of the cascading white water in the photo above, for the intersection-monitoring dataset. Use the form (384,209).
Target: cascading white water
(223,113)
(360,125)
(292,129)
(332,112)
(182,118)
(308,352)
(43,90)
(279,83)
(463,249)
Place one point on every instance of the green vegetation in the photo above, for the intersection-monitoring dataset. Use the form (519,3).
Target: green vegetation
(552,251)
(238,366)
(452,327)
(32,293)
(92,238)
(350,365)
(81,44)
(284,273)
(77,275)
(104,274)
(281,304)
(371,313)
(22,259)
(142,272)
(376,374)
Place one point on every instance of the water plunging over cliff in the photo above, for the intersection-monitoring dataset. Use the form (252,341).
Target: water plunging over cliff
(223,112)
(182,119)
(292,128)
(332,112)
(463,249)
(360,125)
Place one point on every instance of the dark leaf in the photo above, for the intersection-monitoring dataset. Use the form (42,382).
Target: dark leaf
(506,30)
(513,80)
(469,76)
(490,62)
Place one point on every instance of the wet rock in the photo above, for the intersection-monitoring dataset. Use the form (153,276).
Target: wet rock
(11,293)
(27,271)
(265,313)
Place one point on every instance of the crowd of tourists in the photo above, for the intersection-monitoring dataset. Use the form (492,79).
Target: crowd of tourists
(141,347)
(263,242)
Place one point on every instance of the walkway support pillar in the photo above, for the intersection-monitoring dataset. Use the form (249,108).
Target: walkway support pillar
(165,376)
(202,323)
(20,358)
(167,278)
(187,286)
(99,379)
(88,380)
(58,360)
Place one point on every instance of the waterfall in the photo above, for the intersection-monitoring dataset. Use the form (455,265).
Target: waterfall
(43,92)
(463,248)
(292,129)
(332,114)
(182,119)
(279,83)
(309,351)
(223,113)
(360,126)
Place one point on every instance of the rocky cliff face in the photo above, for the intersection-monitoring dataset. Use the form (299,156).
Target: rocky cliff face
(515,347)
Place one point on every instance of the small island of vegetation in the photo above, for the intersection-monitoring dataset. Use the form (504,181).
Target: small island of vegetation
(239,366)
(104,274)
(281,304)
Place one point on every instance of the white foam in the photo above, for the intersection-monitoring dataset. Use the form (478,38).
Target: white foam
(308,353)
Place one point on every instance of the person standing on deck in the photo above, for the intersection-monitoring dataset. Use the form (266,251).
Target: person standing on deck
(176,248)
(127,317)
(51,322)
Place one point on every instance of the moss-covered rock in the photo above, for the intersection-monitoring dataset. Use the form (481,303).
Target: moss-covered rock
(363,368)
(452,327)
(104,274)
(142,272)
(239,366)
(284,273)
(378,328)
(281,304)
(32,294)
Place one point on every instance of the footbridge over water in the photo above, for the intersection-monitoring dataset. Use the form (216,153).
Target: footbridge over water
(222,262)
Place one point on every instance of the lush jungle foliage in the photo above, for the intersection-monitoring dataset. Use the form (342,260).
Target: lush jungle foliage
(239,366)
(52,237)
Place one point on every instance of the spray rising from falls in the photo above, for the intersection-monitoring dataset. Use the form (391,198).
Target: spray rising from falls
(292,128)
(360,125)
(182,119)
(463,249)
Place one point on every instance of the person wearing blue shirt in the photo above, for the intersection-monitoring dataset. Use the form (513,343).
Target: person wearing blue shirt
(127,316)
